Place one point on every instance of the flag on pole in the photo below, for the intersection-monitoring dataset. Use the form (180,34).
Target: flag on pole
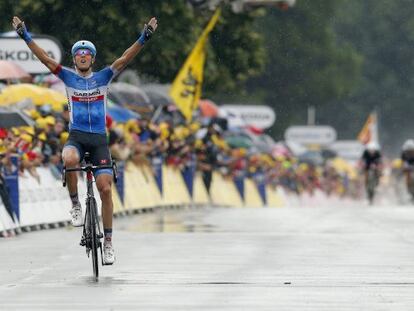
(186,88)
(369,133)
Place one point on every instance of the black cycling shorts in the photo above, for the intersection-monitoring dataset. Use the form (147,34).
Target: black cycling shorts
(95,144)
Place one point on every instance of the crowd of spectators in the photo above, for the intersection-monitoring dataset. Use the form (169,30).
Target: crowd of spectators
(201,144)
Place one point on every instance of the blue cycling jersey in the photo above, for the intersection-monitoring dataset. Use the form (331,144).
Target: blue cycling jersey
(86,98)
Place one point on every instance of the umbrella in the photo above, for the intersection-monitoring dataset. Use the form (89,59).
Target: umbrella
(312,157)
(239,141)
(129,96)
(280,150)
(38,95)
(14,118)
(261,143)
(328,154)
(10,70)
(158,94)
(296,148)
(157,99)
(254,130)
(208,108)
(120,114)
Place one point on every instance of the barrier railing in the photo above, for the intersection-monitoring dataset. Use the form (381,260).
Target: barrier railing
(44,202)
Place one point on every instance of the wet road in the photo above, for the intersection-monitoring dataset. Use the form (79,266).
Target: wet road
(354,258)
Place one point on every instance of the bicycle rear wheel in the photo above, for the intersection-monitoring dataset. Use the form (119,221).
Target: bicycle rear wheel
(372,183)
(94,238)
(410,185)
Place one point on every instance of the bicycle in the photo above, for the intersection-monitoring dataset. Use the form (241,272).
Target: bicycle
(372,183)
(92,233)
(410,181)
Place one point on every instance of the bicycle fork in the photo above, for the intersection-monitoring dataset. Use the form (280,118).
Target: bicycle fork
(86,239)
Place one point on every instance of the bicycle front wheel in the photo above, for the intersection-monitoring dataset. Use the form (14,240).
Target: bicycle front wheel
(94,238)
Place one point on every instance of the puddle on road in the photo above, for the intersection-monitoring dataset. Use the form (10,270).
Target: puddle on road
(166,221)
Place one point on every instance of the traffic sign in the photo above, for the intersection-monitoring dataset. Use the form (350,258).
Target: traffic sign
(308,135)
(348,149)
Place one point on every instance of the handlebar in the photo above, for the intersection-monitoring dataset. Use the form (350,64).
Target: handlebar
(89,168)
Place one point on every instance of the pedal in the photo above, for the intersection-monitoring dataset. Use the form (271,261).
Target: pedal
(100,235)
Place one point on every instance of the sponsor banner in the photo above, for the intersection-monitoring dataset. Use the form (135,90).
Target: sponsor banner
(156,163)
(259,116)
(174,189)
(188,174)
(44,200)
(12,181)
(239,182)
(311,135)
(251,194)
(260,180)
(200,195)
(6,221)
(87,99)
(141,189)
(15,50)
(5,197)
(223,191)
(273,198)
(120,180)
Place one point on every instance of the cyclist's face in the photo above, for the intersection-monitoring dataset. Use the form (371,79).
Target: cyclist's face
(83,60)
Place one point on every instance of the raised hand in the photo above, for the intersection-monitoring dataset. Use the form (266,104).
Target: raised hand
(148,30)
(153,23)
(21,30)
(16,23)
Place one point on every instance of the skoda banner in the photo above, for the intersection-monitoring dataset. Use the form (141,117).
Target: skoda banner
(259,116)
(15,50)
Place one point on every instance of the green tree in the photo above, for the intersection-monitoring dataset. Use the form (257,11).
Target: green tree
(382,31)
(114,25)
(305,64)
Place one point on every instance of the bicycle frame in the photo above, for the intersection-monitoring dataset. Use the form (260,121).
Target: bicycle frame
(372,183)
(91,229)
(91,204)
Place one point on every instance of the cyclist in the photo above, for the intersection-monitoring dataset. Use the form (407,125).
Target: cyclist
(407,157)
(87,92)
(372,159)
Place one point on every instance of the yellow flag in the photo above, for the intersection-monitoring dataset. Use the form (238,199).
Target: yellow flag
(186,88)
(369,132)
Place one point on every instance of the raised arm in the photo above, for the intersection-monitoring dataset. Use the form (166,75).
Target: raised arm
(41,54)
(134,49)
